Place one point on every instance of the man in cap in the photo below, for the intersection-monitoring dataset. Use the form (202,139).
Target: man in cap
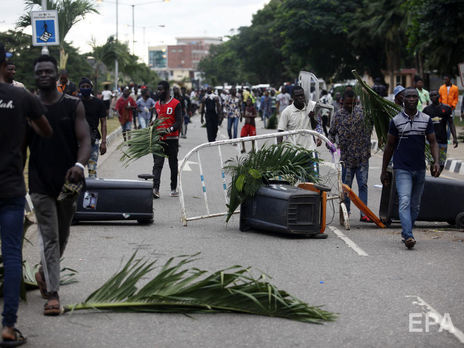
(17,107)
(398,93)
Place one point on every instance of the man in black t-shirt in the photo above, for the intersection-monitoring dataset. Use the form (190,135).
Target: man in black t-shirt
(16,106)
(210,106)
(56,175)
(441,116)
(95,112)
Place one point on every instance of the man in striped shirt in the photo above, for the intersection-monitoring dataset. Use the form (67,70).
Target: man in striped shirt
(406,143)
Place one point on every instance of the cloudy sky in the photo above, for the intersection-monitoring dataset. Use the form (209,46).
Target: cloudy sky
(156,22)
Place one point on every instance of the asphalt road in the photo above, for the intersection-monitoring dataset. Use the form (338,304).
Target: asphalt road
(368,278)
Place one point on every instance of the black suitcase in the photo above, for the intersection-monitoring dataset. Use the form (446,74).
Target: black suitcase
(442,200)
(284,209)
(106,199)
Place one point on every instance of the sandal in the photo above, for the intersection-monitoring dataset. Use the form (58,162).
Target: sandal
(18,340)
(52,307)
(41,284)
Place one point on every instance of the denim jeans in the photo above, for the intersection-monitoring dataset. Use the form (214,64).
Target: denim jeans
(361,173)
(143,121)
(92,164)
(232,121)
(409,185)
(11,230)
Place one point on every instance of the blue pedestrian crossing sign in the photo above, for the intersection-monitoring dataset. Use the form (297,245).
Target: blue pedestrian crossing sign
(45,28)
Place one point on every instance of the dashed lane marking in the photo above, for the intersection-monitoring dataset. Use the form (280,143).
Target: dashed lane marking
(348,241)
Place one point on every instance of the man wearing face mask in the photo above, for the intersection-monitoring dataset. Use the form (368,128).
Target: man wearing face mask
(95,113)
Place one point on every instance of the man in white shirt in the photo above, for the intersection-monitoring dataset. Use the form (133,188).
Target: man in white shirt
(107,96)
(299,115)
(283,99)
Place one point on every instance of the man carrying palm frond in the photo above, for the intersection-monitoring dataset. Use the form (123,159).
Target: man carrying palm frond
(169,111)
(354,140)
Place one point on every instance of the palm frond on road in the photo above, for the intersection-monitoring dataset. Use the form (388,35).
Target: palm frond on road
(250,172)
(177,289)
(142,142)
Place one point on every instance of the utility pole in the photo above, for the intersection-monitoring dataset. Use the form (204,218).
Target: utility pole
(45,51)
(133,30)
(116,72)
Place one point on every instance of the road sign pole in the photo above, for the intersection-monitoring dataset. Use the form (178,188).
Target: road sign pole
(45,51)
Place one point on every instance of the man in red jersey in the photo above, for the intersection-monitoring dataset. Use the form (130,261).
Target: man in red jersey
(169,111)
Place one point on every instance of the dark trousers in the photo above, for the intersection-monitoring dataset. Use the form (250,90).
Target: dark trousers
(212,123)
(170,149)
(11,229)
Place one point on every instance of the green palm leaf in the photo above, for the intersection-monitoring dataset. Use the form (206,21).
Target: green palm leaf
(379,111)
(142,142)
(177,289)
(250,172)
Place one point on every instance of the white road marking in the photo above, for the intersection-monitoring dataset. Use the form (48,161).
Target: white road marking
(187,166)
(437,317)
(348,241)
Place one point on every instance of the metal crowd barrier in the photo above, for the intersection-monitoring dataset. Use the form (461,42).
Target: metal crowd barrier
(335,166)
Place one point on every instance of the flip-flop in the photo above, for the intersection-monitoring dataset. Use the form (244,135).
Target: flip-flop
(52,309)
(18,341)
(41,284)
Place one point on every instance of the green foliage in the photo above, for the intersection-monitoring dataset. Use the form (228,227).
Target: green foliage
(377,110)
(177,289)
(249,172)
(142,142)
(272,122)
(436,32)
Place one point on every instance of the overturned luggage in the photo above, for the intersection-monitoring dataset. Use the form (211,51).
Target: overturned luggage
(284,209)
(106,199)
(441,201)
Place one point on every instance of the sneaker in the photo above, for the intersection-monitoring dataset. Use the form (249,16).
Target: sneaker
(174,193)
(156,193)
(410,242)
(365,218)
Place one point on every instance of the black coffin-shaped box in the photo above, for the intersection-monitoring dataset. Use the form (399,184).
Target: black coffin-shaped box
(442,200)
(106,199)
(282,208)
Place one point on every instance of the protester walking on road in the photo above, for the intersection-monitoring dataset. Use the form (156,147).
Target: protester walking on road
(168,111)
(424,97)
(65,86)
(107,95)
(265,108)
(56,175)
(441,116)
(125,106)
(95,113)
(145,106)
(249,128)
(232,109)
(354,141)
(398,95)
(283,100)
(449,95)
(406,143)
(210,109)
(17,105)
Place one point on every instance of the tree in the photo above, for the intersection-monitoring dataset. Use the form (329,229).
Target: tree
(69,13)
(436,33)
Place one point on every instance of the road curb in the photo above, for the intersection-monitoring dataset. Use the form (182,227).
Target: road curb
(455,166)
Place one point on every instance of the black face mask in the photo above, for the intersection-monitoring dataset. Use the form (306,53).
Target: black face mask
(85,92)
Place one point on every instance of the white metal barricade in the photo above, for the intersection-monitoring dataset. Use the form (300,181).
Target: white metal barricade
(332,177)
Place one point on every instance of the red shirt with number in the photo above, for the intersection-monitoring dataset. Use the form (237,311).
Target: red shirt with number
(167,116)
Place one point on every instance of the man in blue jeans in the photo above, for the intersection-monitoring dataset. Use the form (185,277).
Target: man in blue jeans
(354,141)
(406,143)
(16,104)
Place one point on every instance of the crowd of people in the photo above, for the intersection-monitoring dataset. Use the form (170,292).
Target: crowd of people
(64,128)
